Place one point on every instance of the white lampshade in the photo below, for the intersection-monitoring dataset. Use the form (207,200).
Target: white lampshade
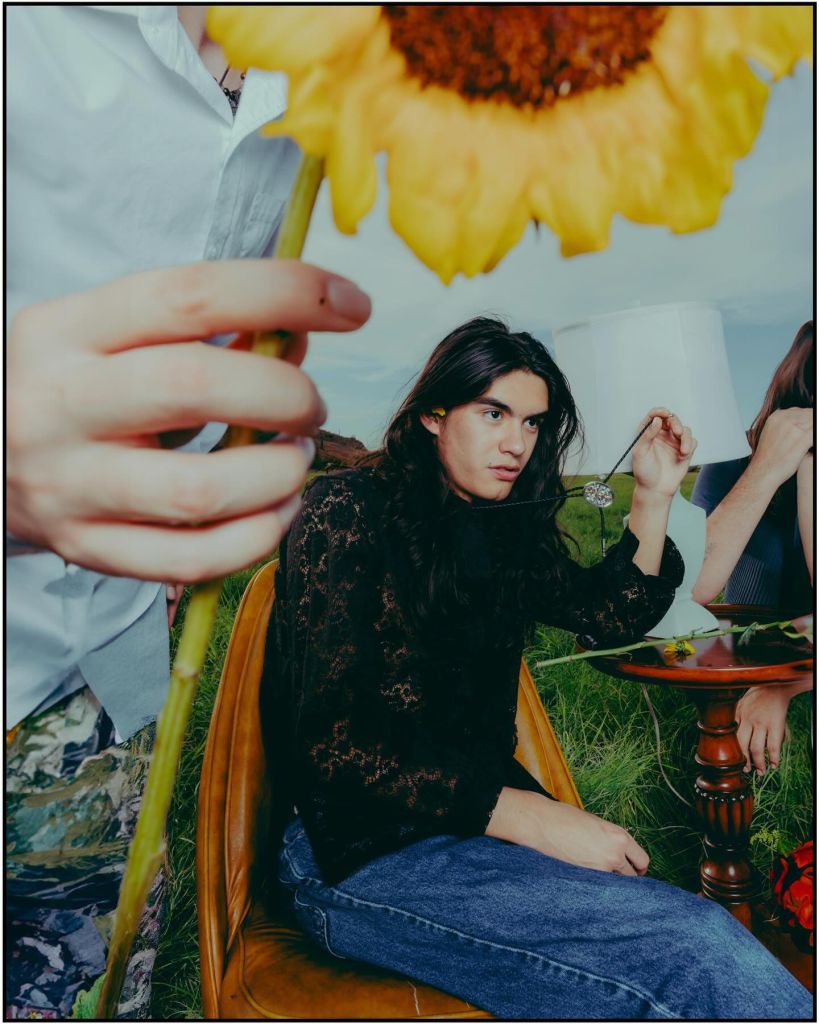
(621,364)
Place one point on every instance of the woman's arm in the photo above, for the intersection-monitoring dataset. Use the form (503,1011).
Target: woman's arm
(804,508)
(785,439)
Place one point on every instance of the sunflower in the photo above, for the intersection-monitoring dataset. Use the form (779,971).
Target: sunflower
(492,115)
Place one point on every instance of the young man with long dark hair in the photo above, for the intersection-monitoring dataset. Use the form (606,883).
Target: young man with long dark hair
(406,590)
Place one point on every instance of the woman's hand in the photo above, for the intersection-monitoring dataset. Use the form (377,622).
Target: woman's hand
(93,378)
(661,457)
(785,440)
(761,715)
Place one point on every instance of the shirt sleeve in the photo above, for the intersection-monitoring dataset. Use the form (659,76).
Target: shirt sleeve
(371,772)
(613,602)
(517,777)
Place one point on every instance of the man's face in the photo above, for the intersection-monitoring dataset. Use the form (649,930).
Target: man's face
(485,445)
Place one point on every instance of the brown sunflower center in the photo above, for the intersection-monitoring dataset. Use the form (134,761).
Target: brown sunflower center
(522,53)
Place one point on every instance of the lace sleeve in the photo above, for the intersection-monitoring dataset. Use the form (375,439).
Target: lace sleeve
(614,602)
(371,767)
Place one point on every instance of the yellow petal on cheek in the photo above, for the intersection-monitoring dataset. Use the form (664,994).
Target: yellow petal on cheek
(278,37)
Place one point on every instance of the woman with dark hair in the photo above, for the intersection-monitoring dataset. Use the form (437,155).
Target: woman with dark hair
(759,541)
(405,592)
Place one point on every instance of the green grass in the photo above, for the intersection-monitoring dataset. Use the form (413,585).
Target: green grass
(608,737)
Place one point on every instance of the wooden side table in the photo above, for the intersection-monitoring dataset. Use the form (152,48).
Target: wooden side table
(715,677)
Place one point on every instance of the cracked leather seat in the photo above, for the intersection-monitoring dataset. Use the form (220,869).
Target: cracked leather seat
(255,966)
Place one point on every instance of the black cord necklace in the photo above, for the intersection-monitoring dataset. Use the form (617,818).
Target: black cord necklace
(233,95)
(596,492)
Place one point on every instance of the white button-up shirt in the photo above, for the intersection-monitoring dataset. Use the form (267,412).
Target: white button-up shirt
(122,155)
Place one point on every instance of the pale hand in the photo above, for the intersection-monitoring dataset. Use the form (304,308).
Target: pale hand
(584,839)
(785,440)
(760,716)
(661,457)
(93,378)
(566,832)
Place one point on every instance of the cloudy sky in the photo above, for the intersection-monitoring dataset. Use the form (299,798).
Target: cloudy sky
(756,265)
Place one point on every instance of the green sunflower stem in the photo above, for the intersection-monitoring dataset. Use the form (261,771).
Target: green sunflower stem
(697,635)
(148,847)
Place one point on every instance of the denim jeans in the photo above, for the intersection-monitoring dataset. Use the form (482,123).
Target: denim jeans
(527,936)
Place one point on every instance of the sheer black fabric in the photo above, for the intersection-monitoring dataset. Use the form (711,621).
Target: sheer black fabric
(385,736)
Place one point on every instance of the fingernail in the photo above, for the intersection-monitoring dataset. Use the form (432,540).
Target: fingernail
(347,300)
(288,510)
(322,416)
(307,444)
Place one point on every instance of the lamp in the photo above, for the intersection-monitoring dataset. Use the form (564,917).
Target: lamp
(620,365)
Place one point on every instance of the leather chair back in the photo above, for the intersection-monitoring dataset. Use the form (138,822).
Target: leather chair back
(239,939)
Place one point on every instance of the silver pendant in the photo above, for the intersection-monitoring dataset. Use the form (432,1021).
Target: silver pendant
(598,494)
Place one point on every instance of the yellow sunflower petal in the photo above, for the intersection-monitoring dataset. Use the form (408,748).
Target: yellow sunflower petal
(654,141)
(281,37)
(568,190)
(775,35)
(310,116)
(350,166)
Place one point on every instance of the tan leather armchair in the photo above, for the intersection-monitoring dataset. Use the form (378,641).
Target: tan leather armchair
(258,967)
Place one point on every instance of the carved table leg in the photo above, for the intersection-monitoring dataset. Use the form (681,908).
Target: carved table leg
(724,803)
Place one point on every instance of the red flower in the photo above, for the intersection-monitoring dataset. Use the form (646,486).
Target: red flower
(792,879)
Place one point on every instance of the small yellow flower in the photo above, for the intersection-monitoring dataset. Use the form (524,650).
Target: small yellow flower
(678,651)
(492,115)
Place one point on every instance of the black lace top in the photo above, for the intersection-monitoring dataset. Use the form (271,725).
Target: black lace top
(383,738)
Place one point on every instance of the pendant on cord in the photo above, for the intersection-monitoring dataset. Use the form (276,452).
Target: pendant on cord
(598,493)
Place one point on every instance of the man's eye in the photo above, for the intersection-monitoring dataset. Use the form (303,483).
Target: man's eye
(493,414)
(533,424)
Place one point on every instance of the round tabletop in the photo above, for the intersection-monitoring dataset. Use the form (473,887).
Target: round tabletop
(720,662)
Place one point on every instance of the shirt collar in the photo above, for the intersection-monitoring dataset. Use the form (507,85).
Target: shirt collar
(264,94)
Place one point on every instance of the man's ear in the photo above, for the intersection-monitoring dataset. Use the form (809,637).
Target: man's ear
(432,422)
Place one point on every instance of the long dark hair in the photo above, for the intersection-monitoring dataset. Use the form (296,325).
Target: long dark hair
(423,511)
(793,384)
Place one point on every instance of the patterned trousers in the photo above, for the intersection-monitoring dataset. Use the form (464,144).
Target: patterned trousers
(72,799)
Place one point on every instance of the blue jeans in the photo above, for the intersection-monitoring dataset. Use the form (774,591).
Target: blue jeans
(527,936)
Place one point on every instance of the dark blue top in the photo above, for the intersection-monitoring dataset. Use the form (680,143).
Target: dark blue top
(771,570)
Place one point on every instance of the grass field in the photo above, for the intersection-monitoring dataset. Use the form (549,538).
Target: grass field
(608,737)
